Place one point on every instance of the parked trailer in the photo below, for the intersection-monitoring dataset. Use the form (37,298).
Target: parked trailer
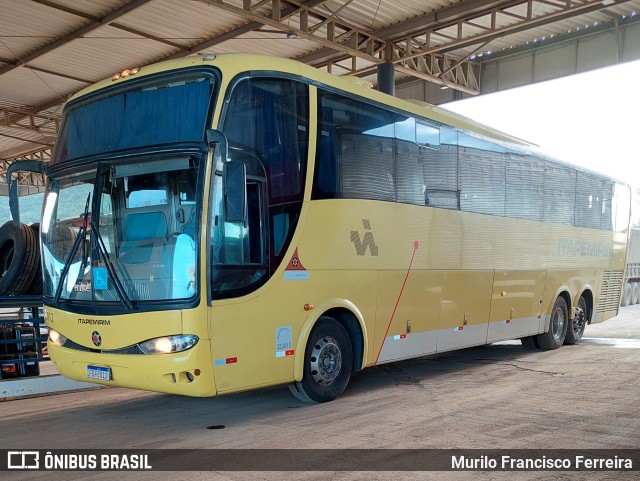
(631,293)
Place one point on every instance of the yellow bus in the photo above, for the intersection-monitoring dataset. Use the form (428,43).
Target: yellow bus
(224,223)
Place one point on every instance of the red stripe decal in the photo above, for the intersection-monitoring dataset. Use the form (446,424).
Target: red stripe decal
(232,360)
(415,248)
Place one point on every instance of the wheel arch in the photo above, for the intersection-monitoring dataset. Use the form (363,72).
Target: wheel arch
(587,293)
(349,316)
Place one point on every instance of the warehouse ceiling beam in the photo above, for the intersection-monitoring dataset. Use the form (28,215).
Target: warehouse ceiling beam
(328,30)
(28,149)
(425,53)
(91,26)
(236,32)
(311,24)
(27,120)
(16,117)
(416,25)
(29,182)
(466,30)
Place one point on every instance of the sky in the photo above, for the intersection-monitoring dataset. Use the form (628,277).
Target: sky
(590,119)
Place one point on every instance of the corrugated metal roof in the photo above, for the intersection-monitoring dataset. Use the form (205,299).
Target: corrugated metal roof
(163,28)
(36,88)
(185,22)
(101,53)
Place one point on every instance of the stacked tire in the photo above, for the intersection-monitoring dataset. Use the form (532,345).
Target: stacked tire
(20,270)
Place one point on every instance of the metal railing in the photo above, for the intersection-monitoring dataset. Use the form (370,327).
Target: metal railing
(23,337)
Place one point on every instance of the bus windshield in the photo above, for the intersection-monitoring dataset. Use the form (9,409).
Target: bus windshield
(123,232)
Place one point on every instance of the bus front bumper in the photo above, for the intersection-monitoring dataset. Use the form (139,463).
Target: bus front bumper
(188,373)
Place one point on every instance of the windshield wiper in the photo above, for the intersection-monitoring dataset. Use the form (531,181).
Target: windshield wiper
(80,237)
(102,251)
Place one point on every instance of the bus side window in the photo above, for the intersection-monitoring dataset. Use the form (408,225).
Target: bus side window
(327,158)
(354,150)
(280,228)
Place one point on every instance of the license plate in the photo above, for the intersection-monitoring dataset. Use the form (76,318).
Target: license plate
(99,372)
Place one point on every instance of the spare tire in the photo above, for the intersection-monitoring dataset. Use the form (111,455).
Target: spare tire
(36,284)
(18,258)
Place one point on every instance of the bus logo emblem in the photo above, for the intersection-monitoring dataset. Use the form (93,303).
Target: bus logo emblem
(367,241)
(96,338)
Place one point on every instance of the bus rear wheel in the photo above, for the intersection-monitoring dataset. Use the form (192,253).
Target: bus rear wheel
(554,337)
(328,360)
(576,326)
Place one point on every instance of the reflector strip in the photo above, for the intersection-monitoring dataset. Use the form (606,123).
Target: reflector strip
(397,337)
(228,360)
(460,328)
(288,352)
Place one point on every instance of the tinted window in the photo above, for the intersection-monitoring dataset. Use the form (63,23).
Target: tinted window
(354,152)
(156,112)
(367,152)
(268,118)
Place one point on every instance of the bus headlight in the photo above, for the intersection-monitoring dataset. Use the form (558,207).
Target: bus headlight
(57,338)
(169,344)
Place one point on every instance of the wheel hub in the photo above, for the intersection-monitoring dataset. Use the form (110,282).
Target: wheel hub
(326,361)
(557,323)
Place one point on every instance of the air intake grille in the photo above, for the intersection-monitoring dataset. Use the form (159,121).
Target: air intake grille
(610,291)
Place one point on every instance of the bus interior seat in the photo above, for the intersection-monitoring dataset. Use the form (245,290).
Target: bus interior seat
(146,265)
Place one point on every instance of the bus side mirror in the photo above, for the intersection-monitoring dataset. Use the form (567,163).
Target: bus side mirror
(234,188)
(36,166)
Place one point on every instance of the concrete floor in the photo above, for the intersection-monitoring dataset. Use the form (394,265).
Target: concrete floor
(499,396)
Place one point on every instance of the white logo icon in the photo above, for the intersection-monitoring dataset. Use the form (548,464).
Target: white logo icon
(23,460)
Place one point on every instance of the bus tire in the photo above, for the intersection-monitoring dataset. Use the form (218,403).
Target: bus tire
(554,337)
(576,326)
(626,296)
(18,258)
(529,342)
(634,293)
(328,361)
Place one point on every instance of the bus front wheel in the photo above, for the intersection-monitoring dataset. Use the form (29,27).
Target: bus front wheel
(554,337)
(328,360)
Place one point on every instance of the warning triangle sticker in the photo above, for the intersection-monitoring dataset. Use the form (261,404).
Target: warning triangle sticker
(294,263)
